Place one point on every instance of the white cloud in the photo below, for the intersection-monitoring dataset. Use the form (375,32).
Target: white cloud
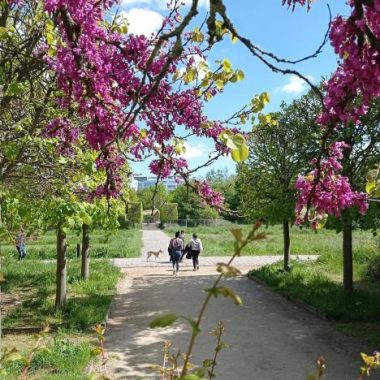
(195,151)
(295,85)
(142,21)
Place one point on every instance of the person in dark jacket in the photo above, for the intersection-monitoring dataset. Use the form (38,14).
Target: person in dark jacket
(176,248)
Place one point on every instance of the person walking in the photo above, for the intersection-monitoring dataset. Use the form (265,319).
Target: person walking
(182,237)
(196,249)
(20,244)
(176,248)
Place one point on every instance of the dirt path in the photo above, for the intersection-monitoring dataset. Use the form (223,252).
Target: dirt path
(270,338)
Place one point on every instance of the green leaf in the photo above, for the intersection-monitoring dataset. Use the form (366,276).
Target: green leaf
(190,75)
(96,351)
(238,233)
(370,186)
(219,84)
(194,326)
(163,320)
(372,175)
(227,66)
(240,154)
(239,75)
(15,88)
(227,270)
(226,292)
(207,363)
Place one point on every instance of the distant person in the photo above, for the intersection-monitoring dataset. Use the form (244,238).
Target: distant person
(20,244)
(176,248)
(196,249)
(182,237)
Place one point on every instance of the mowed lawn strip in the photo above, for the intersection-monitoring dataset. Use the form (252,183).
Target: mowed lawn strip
(125,243)
(218,241)
(29,288)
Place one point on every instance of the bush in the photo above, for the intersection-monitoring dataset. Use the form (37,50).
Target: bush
(135,213)
(373,269)
(169,212)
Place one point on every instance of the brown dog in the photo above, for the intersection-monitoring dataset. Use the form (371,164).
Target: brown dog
(155,254)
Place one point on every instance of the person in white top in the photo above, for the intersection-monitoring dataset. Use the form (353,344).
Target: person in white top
(196,249)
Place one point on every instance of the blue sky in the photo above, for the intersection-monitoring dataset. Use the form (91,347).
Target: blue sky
(274,28)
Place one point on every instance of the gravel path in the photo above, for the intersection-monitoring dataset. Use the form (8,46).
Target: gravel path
(270,338)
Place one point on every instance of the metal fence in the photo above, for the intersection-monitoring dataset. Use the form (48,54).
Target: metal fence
(199,222)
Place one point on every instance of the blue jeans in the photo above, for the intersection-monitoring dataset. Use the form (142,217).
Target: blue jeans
(21,249)
(176,256)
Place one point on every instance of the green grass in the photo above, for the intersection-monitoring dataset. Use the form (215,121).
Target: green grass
(61,359)
(218,241)
(125,243)
(33,283)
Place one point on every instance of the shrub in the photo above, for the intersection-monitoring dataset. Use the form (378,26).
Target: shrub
(135,213)
(373,269)
(169,212)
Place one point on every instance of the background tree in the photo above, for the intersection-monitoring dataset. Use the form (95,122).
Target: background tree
(224,183)
(169,212)
(190,206)
(360,155)
(281,147)
(153,197)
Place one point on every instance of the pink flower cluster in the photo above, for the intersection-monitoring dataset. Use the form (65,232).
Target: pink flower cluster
(105,78)
(326,191)
(212,197)
(355,83)
(66,134)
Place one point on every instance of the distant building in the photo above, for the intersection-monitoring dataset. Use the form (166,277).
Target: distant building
(139,182)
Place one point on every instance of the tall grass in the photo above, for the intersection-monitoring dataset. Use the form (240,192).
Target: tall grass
(125,243)
(218,241)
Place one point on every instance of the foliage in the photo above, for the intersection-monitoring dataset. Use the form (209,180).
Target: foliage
(135,213)
(190,206)
(150,197)
(61,359)
(279,151)
(226,185)
(169,212)
(33,284)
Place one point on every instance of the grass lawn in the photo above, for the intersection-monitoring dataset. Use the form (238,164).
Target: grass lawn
(30,289)
(64,357)
(125,243)
(218,241)
(30,285)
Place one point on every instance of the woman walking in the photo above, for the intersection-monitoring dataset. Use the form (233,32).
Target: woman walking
(196,248)
(176,248)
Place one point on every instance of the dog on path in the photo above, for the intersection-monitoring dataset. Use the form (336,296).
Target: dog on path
(154,253)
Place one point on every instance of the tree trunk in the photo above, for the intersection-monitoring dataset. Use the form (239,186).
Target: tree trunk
(286,234)
(85,270)
(348,278)
(60,295)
